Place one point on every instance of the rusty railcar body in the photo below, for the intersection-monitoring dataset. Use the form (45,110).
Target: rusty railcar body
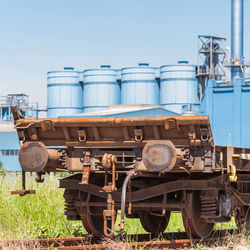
(144,166)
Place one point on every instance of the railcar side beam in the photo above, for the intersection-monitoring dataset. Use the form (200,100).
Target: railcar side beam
(114,132)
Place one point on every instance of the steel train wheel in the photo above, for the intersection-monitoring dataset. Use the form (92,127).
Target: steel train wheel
(153,223)
(242,218)
(194,225)
(92,217)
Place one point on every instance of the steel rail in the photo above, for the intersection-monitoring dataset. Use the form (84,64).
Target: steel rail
(147,241)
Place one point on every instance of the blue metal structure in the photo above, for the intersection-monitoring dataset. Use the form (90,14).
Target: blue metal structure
(143,110)
(228,109)
(64,95)
(179,87)
(100,88)
(26,108)
(227,104)
(139,86)
(9,148)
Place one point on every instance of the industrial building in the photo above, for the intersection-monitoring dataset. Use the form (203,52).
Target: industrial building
(143,90)
(9,145)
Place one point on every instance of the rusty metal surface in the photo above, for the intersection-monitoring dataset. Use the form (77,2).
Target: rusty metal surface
(33,156)
(146,241)
(23,192)
(232,156)
(159,156)
(194,225)
(165,244)
(149,192)
(113,132)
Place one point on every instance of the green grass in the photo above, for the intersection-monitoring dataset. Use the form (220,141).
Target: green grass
(42,215)
(34,216)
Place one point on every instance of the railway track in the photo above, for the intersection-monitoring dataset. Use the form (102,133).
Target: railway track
(147,241)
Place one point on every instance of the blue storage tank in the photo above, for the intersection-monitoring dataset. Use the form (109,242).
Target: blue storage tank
(247,81)
(64,93)
(179,87)
(100,89)
(118,75)
(157,72)
(139,86)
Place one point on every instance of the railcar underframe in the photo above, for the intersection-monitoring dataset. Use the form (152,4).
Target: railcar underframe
(144,166)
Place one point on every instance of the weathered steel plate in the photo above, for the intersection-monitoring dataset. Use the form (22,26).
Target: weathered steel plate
(111,132)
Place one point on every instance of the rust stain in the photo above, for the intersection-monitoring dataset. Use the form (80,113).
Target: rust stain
(154,152)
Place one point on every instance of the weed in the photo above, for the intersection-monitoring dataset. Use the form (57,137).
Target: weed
(2,170)
(34,216)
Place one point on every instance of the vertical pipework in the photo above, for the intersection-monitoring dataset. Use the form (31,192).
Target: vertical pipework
(237,17)
(237,29)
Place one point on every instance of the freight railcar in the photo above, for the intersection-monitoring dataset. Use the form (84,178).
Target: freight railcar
(144,166)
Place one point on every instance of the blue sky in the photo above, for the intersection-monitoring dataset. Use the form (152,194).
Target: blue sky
(38,36)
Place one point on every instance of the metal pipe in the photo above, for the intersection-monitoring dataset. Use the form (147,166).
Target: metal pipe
(237,28)
(237,33)
(123,198)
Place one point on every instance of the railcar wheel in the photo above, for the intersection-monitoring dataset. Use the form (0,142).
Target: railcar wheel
(242,218)
(153,223)
(92,217)
(194,225)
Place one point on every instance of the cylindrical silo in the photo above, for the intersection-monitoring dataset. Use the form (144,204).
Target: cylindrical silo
(64,95)
(179,87)
(139,86)
(247,81)
(100,89)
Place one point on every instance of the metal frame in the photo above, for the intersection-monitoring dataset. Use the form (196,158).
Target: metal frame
(211,59)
